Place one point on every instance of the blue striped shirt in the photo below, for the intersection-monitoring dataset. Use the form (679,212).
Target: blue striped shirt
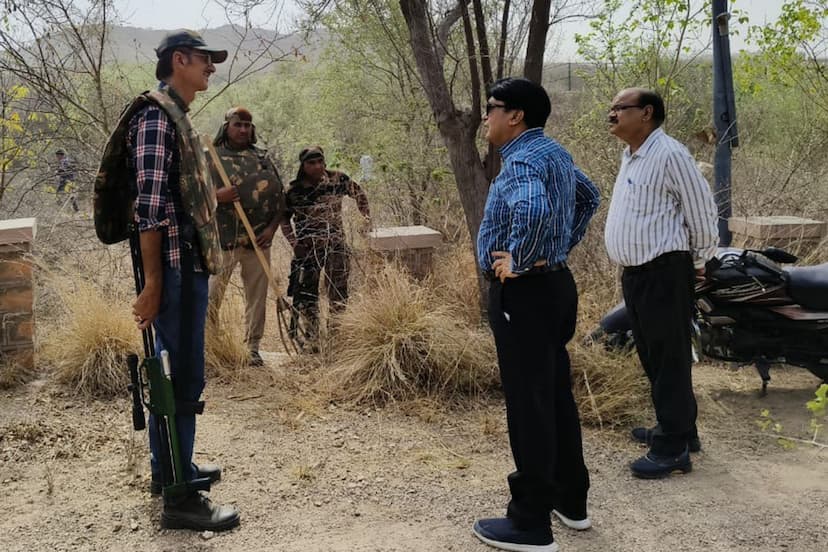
(538,206)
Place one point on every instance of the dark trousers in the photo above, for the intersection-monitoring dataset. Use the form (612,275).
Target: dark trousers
(532,318)
(330,257)
(659,297)
(188,373)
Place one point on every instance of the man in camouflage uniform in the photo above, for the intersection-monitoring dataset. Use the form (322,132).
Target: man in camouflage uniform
(174,211)
(256,185)
(314,202)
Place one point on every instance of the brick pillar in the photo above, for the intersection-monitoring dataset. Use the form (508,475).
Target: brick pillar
(17,291)
(412,246)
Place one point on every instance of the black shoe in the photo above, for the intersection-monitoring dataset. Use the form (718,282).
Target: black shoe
(211,471)
(198,513)
(502,533)
(651,466)
(255,359)
(645,435)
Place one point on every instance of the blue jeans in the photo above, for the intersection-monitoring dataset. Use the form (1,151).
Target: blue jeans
(187,373)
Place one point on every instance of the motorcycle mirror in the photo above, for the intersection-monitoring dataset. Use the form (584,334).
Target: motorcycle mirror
(779,255)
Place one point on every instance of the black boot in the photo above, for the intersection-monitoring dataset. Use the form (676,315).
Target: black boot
(198,513)
(210,471)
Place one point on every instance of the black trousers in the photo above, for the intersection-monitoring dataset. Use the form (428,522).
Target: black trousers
(659,298)
(532,318)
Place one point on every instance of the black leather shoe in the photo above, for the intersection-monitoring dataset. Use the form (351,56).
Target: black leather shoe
(211,471)
(198,513)
(651,466)
(645,435)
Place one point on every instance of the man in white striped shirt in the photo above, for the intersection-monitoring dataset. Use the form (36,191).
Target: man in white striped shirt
(661,227)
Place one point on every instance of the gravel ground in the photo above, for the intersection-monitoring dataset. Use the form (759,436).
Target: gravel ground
(311,475)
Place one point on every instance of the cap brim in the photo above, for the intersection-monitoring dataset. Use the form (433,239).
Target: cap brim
(216,56)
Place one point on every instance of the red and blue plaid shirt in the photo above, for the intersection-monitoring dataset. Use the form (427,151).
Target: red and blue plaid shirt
(154,155)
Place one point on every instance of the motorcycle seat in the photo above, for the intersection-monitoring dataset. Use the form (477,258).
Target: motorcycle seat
(808,285)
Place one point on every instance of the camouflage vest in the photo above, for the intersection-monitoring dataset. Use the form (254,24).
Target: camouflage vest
(115,189)
(260,194)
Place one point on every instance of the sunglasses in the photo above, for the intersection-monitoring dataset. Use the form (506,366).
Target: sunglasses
(208,59)
(491,106)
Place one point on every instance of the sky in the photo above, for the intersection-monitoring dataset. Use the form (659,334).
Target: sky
(200,14)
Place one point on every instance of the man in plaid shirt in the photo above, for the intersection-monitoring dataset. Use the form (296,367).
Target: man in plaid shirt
(175,288)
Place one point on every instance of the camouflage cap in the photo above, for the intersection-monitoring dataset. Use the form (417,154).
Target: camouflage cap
(185,38)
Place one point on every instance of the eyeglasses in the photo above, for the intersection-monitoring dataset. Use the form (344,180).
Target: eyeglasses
(207,57)
(624,107)
(490,106)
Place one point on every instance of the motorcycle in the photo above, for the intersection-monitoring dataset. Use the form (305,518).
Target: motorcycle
(750,310)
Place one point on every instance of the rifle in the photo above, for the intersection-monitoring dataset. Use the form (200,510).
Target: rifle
(151,386)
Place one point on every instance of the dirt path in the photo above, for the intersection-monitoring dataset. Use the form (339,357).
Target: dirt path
(311,476)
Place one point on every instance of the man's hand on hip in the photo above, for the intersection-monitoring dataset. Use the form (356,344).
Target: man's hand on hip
(503,265)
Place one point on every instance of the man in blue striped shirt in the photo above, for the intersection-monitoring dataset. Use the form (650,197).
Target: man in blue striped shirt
(537,210)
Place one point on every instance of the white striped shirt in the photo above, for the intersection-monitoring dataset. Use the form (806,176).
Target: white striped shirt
(660,203)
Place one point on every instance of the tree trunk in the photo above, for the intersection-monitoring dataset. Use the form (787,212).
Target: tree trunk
(536,44)
(457,128)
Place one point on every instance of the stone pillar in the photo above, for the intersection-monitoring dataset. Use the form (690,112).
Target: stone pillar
(17,291)
(800,235)
(412,246)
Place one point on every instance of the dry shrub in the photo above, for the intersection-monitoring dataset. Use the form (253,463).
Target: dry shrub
(14,373)
(225,352)
(88,346)
(454,281)
(610,387)
(397,341)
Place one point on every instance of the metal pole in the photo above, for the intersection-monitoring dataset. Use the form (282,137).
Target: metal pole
(724,116)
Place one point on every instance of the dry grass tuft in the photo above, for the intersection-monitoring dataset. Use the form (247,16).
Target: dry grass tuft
(396,340)
(225,352)
(610,388)
(14,373)
(454,281)
(88,346)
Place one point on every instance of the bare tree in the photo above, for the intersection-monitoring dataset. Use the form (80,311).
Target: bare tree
(55,51)
(545,14)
